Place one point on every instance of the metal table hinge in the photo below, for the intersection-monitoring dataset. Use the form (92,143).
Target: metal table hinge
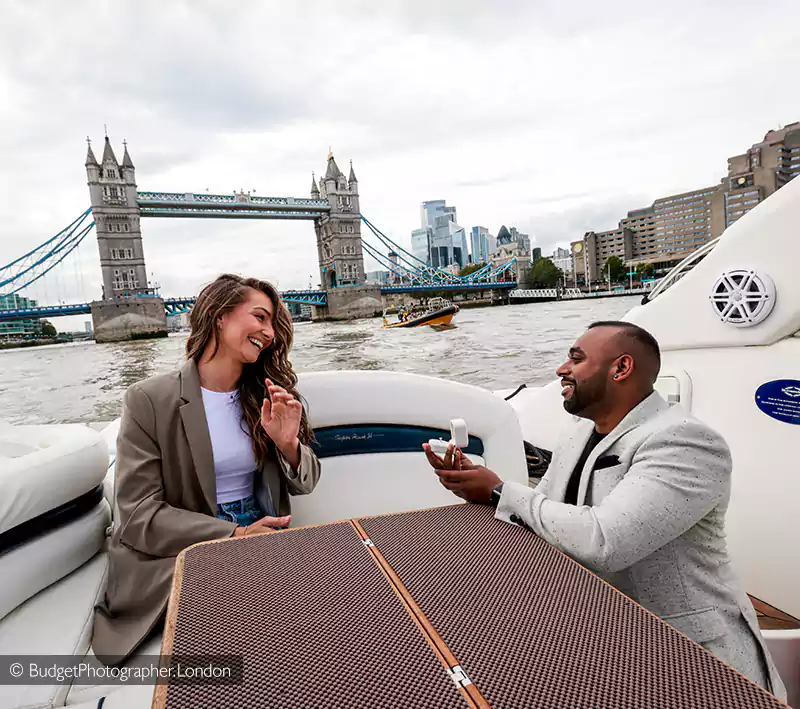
(459,677)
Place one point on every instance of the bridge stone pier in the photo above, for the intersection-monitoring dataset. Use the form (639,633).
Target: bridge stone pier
(116,319)
(350,302)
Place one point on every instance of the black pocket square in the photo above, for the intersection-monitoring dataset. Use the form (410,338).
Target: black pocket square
(606,461)
(519,521)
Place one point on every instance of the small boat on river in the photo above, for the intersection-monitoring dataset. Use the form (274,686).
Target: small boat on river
(436,312)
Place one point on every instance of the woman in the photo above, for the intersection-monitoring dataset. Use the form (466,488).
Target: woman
(210,451)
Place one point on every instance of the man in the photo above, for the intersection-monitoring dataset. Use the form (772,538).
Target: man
(637,492)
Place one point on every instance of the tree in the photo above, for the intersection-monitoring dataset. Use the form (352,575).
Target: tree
(645,270)
(614,268)
(48,329)
(544,274)
(471,268)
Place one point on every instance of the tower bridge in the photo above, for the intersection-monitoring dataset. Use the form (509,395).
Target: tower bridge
(130,306)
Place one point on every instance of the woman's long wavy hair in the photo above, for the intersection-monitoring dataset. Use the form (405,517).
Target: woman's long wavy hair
(220,297)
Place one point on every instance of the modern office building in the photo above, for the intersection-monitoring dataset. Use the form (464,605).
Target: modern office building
(448,243)
(523,240)
(421,243)
(380,278)
(482,243)
(562,258)
(439,241)
(675,226)
(763,169)
(19,328)
(435,208)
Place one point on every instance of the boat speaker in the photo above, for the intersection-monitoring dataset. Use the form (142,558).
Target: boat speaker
(743,297)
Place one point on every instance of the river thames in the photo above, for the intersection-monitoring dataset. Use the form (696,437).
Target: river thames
(495,347)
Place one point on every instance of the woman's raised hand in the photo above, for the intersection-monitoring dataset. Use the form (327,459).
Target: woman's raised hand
(263,526)
(281,414)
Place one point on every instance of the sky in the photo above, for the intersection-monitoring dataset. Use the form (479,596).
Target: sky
(553,117)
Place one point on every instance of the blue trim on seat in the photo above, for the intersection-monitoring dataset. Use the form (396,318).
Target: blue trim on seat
(354,439)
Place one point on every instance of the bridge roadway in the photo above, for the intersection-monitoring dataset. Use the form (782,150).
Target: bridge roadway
(306,297)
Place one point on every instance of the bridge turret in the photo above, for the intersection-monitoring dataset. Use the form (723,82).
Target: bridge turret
(332,174)
(127,163)
(129,176)
(92,166)
(109,160)
(91,160)
(314,189)
(352,185)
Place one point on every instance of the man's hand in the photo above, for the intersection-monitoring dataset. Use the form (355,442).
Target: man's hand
(456,472)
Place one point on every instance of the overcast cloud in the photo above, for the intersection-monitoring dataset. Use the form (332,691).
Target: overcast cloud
(551,116)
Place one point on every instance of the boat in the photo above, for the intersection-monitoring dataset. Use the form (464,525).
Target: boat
(728,322)
(437,312)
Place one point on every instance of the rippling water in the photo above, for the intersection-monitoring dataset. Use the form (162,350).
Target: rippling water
(496,348)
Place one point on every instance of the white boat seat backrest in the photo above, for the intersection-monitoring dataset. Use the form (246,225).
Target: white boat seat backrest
(49,557)
(43,467)
(53,514)
(370,426)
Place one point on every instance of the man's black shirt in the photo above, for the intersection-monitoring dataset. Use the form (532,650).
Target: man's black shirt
(571,497)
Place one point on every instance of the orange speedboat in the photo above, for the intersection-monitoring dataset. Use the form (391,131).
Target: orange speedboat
(437,312)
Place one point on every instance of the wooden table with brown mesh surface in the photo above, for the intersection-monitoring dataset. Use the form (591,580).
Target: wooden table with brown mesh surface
(772,618)
(445,607)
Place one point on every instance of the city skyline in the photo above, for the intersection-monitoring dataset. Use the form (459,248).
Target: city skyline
(203,109)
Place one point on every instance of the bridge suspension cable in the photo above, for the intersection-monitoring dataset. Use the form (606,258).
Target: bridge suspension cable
(389,265)
(30,267)
(424,273)
(427,273)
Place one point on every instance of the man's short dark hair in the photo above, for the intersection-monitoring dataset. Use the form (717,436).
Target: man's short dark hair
(634,332)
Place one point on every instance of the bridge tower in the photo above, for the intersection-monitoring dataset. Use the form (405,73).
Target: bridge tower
(112,190)
(341,262)
(341,259)
(129,308)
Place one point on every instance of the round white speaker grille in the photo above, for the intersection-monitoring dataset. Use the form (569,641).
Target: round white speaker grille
(743,297)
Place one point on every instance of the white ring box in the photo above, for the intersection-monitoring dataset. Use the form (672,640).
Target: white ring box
(459,437)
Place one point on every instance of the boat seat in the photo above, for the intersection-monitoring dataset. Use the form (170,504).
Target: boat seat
(56,621)
(48,558)
(370,426)
(53,523)
(89,695)
(43,467)
(784,646)
(109,435)
(135,696)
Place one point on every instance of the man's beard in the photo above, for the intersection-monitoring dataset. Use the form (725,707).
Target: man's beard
(584,395)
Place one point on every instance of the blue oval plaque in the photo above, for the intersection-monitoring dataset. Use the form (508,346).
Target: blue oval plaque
(780,399)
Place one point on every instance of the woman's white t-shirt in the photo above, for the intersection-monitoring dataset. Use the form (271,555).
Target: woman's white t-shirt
(235,463)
